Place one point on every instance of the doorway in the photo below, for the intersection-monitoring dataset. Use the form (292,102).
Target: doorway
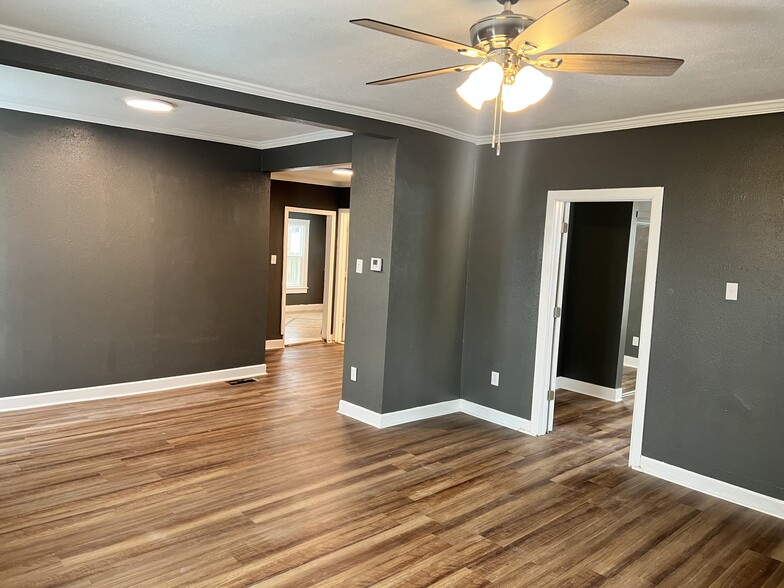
(552,299)
(307,287)
(341,275)
(309,230)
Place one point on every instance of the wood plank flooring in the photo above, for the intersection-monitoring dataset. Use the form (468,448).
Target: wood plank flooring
(265,485)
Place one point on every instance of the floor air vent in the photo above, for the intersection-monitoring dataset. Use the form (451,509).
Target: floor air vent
(241,381)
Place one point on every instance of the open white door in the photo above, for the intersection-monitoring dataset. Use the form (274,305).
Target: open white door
(341,275)
(557,313)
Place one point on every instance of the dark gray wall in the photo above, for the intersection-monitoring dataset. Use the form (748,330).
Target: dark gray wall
(372,203)
(317,235)
(433,198)
(594,288)
(126,255)
(299,195)
(313,154)
(432,325)
(714,395)
(636,291)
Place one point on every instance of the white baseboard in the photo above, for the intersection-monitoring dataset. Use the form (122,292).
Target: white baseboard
(713,487)
(390,419)
(290,307)
(611,394)
(629,361)
(496,416)
(274,344)
(128,388)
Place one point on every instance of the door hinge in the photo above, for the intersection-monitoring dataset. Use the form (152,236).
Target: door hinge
(550,395)
(557,312)
(564,228)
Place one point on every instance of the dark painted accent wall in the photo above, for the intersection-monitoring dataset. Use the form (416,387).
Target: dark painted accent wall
(372,202)
(434,185)
(317,235)
(636,291)
(312,154)
(594,288)
(410,205)
(714,403)
(126,255)
(284,194)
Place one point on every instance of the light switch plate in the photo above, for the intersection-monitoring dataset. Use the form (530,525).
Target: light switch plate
(353,374)
(731,293)
(359,266)
(494,376)
(273,259)
(375,264)
(636,341)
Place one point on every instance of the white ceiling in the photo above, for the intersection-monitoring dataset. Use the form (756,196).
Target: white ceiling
(320,175)
(68,98)
(308,52)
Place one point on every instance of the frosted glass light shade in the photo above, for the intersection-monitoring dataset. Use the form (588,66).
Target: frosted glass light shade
(483,84)
(529,87)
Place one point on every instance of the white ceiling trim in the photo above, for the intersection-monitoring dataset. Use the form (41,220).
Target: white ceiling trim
(16,35)
(289,176)
(178,132)
(96,53)
(650,120)
(165,130)
(305,138)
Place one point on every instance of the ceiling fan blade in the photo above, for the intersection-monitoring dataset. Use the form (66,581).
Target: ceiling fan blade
(424,74)
(606,64)
(417,36)
(564,22)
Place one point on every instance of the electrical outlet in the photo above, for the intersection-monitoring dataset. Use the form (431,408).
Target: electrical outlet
(353,374)
(636,341)
(494,378)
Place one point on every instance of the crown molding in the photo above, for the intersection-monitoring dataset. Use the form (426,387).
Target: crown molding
(299,139)
(93,52)
(175,131)
(164,130)
(650,120)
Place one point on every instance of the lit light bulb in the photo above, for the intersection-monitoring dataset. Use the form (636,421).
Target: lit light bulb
(529,87)
(153,105)
(483,84)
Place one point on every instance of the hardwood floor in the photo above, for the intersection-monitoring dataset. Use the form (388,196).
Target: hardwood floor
(265,484)
(629,380)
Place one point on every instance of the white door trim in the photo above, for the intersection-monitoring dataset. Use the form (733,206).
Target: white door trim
(341,273)
(547,300)
(329,273)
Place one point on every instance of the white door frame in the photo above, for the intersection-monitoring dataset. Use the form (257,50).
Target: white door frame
(329,274)
(556,203)
(341,273)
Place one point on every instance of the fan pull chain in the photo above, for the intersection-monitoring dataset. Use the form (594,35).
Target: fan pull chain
(498,114)
(500,118)
(495,121)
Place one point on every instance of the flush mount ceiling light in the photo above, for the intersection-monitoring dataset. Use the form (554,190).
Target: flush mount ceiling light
(343,171)
(511,47)
(151,104)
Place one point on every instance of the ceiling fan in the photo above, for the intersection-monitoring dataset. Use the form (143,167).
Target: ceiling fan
(512,48)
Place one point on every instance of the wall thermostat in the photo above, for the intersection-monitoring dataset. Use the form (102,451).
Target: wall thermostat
(375,264)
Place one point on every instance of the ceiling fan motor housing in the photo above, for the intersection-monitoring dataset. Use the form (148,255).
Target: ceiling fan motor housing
(496,31)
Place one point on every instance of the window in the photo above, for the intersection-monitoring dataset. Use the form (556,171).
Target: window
(297,257)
